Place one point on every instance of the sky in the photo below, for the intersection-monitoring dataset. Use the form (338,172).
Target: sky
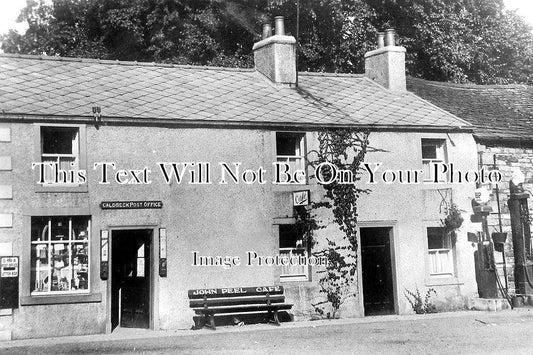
(11,9)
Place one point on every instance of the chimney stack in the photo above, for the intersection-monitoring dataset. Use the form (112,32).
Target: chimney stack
(386,64)
(275,56)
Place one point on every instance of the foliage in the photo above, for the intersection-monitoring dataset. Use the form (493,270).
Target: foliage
(421,305)
(446,40)
(453,220)
(345,149)
(461,40)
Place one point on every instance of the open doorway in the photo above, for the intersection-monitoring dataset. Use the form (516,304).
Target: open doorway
(130,278)
(377,270)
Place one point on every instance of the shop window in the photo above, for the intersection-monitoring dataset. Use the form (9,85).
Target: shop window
(60,260)
(291,245)
(433,151)
(441,250)
(59,145)
(290,149)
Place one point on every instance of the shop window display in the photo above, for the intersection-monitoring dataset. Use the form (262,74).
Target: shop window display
(60,254)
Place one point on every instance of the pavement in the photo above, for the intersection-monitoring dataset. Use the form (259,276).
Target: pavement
(471,332)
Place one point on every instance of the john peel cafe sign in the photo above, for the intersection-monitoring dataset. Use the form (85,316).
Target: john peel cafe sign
(130,205)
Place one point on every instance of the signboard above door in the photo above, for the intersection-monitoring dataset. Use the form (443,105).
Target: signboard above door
(130,205)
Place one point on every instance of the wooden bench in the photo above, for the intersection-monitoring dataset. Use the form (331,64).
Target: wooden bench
(211,302)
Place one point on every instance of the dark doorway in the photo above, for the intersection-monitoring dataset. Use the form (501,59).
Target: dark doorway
(378,291)
(130,279)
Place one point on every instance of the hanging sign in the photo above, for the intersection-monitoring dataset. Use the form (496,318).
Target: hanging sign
(481,195)
(104,254)
(163,252)
(300,198)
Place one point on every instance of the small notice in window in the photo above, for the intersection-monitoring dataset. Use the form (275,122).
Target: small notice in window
(140,267)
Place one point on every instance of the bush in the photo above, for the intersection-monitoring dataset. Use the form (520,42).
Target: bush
(419,305)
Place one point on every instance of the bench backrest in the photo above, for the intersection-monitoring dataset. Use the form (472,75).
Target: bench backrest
(235,292)
(235,296)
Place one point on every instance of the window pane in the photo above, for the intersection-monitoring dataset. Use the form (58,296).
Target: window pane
(49,171)
(40,268)
(80,228)
(289,236)
(60,228)
(293,270)
(67,163)
(39,229)
(436,238)
(429,151)
(58,140)
(80,266)
(288,144)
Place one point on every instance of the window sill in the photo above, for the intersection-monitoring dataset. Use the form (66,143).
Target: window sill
(287,279)
(60,299)
(443,281)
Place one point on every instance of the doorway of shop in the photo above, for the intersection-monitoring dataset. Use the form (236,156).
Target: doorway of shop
(130,278)
(377,270)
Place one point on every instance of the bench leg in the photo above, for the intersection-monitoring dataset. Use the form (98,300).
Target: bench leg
(276,319)
(211,321)
(273,317)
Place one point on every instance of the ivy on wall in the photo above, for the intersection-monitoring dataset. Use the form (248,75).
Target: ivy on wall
(344,149)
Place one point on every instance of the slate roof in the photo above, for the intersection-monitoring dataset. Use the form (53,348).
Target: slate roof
(498,112)
(52,87)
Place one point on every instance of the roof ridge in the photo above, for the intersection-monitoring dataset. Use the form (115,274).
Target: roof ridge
(312,73)
(120,62)
(470,86)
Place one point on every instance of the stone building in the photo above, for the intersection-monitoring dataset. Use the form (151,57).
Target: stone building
(502,116)
(109,241)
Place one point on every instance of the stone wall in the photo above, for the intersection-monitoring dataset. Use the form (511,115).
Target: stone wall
(507,159)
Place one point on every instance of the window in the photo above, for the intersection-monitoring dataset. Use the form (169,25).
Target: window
(59,145)
(60,255)
(433,151)
(440,251)
(291,245)
(290,149)
(62,150)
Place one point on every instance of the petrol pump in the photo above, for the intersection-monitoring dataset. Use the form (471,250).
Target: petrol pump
(486,277)
(520,226)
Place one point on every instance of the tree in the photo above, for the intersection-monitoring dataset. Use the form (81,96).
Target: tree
(461,40)
(447,40)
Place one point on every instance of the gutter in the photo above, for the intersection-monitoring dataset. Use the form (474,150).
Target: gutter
(189,123)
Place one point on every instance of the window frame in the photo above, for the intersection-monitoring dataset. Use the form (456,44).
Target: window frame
(440,144)
(435,256)
(69,242)
(287,277)
(94,295)
(301,158)
(81,164)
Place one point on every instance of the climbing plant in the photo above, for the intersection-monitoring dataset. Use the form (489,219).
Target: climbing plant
(339,150)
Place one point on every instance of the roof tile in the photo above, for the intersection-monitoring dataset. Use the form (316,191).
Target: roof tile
(66,86)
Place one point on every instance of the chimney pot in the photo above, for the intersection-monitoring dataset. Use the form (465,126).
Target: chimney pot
(381,39)
(389,37)
(279,25)
(267,30)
